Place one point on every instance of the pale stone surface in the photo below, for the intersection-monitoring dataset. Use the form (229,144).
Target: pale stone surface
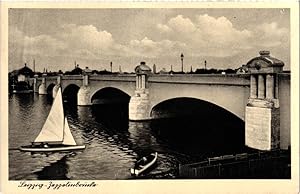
(85,80)
(84,96)
(35,89)
(261,87)
(262,128)
(253,86)
(139,108)
(43,89)
(258,128)
(269,86)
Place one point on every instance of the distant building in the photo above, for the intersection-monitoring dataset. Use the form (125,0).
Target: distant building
(77,70)
(242,70)
(24,73)
(19,80)
(87,70)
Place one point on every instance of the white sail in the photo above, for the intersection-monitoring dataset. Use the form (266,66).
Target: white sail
(68,137)
(52,130)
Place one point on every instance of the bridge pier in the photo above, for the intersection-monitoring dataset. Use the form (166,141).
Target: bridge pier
(262,119)
(43,87)
(139,105)
(35,84)
(84,93)
(56,87)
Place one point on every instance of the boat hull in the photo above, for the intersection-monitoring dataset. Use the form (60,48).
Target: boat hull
(51,149)
(137,172)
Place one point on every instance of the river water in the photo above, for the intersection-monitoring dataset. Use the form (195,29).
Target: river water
(112,142)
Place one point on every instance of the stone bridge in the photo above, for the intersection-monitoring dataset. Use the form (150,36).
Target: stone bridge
(261,98)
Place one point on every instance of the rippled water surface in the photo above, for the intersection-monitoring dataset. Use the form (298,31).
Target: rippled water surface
(112,142)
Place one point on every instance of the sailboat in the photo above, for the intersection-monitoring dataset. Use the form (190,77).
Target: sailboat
(55,134)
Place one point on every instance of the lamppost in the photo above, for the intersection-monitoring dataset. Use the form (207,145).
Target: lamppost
(182,56)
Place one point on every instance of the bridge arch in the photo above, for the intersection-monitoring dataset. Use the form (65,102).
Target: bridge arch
(185,106)
(231,99)
(108,95)
(65,85)
(70,92)
(197,124)
(50,89)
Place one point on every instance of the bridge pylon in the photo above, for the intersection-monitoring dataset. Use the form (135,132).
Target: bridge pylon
(139,105)
(84,93)
(42,87)
(262,119)
(56,87)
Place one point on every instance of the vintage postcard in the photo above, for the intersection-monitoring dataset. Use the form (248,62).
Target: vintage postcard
(189,97)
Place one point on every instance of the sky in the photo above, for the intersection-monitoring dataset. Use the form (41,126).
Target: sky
(225,38)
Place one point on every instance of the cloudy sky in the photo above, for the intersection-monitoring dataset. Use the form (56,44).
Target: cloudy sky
(225,38)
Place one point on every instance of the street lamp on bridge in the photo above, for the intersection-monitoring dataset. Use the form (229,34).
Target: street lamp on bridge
(182,56)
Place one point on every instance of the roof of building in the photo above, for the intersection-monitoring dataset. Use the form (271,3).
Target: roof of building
(268,61)
(142,68)
(87,70)
(24,71)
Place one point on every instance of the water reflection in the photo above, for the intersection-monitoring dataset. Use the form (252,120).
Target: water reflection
(112,142)
(56,171)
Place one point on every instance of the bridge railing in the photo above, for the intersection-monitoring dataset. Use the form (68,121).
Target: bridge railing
(71,77)
(114,77)
(212,79)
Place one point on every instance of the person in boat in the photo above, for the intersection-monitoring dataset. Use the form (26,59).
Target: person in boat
(144,160)
(46,145)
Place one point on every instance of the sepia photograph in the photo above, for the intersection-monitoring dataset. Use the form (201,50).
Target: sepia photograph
(147,94)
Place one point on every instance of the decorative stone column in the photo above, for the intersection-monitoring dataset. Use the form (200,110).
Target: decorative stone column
(56,87)
(270,86)
(43,88)
(84,93)
(253,86)
(35,84)
(139,106)
(262,130)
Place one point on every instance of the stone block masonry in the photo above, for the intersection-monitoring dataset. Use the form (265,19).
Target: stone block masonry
(139,108)
(262,128)
(262,117)
(83,96)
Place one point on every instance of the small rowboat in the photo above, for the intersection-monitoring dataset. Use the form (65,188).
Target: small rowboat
(143,164)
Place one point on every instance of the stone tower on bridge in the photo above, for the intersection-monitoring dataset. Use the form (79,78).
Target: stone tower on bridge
(262,117)
(139,105)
